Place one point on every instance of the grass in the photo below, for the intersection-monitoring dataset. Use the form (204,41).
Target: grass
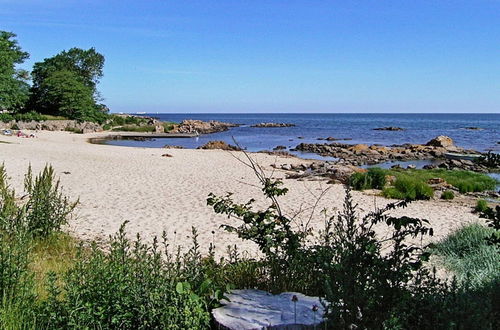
(412,184)
(133,128)
(448,195)
(468,255)
(481,205)
(464,181)
(56,254)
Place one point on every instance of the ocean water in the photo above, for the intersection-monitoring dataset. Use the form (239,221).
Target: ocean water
(419,128)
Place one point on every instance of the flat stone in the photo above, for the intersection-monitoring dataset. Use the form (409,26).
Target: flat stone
(256,309)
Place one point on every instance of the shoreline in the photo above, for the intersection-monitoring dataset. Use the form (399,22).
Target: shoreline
(156,193)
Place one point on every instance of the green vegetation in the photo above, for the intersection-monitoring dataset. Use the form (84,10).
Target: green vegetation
(28,116)
(49,280)
(481,205)
(133,128)
(412,184)
(14,89)
(448,195)
(468,255)
(66,85)
(63,85)
(375,178)
(407,187)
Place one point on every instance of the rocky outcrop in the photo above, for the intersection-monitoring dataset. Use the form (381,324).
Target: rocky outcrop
(389,128)
(361,154)
(273,125)
(53,125)
(330,171)
(255,309)
(219,145)
(202,127)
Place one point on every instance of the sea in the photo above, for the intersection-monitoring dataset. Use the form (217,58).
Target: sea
(353,127)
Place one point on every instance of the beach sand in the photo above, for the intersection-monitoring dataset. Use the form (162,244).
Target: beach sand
(156,193)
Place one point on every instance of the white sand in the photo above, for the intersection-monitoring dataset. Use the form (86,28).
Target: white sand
(156,193)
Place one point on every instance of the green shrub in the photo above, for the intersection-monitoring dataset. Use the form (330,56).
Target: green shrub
(467,253)
(131,287)
(47,209)
(448,195)
(481,205)
(374,178)
(106,127)
(409,188)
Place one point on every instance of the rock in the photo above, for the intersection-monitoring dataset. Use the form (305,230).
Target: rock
(389,128)
(429,167)
(255,309)
(436,181)
(441,141)
(273,125)
(219,145)
(167,155)
(202,127)
(159,129)
(286,167)
(279,148)
(411,167)
(473,128)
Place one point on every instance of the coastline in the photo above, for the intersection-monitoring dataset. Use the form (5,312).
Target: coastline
(156,194)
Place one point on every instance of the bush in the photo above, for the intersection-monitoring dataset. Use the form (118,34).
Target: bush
(47,209)
(448,195)
(481,205)
(131,287)
(375,178)
(409,188)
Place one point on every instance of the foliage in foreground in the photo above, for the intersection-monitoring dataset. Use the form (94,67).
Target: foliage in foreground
(468,255)
(367,283)
(132,286)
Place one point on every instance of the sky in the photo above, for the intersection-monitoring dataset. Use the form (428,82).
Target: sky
(276,55)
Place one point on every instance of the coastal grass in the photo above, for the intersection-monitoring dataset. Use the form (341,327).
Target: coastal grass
(468,255)
(448,195)
(464,181)
(55,254)
(412,183)
(481,205)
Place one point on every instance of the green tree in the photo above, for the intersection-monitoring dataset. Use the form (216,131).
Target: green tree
(14,89)
(66,84)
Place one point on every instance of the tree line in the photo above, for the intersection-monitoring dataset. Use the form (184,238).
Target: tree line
(62,85)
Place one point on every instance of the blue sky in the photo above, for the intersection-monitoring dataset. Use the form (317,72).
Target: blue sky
(276,56)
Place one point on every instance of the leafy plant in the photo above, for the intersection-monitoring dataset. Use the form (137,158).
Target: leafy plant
(131,287)
(409,188)
(47,209)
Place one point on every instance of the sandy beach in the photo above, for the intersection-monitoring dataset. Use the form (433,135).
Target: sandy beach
(155,193)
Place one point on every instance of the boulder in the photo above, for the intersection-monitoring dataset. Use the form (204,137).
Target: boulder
(441,141)
(256,309)
(219,145)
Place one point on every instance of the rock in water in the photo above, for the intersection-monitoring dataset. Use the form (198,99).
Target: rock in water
(255,309)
